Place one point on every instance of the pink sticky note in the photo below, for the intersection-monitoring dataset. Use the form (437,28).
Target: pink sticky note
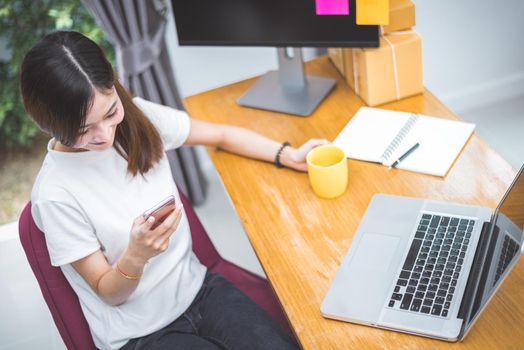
(332,7)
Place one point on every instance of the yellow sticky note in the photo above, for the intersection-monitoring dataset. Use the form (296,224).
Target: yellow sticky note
(372,12)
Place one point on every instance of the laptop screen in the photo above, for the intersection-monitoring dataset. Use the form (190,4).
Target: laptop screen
(504,244)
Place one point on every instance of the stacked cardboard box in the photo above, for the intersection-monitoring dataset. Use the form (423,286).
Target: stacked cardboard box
(392,71)
(401,16)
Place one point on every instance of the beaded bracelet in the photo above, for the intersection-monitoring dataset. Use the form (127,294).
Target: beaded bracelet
(277,157)
(125,275)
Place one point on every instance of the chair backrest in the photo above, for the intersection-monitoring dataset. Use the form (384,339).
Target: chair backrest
(58,294)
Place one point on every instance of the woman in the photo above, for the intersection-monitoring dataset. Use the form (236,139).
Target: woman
(139,287)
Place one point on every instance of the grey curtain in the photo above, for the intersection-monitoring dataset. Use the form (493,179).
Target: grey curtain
(137,30)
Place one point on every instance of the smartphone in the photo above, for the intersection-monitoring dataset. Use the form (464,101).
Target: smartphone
(161,211)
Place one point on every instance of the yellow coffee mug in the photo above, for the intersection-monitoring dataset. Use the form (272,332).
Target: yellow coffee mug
(327,170)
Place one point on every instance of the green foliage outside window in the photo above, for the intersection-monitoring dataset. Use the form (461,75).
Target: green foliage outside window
(22,24)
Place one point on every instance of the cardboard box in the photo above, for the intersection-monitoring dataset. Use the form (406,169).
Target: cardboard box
(401,16)
(383,75)
(337,57)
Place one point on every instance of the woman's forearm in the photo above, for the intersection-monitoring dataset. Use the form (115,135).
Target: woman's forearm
(114,284)
(109,284)
(113,287)
(250,144)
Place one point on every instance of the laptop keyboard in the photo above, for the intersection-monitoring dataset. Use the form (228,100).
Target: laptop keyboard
(509,250)
(428,279)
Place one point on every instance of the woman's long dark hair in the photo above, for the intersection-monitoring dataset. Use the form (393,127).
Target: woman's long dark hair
(58,79)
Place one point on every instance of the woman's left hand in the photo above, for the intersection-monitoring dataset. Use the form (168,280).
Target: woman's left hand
(295,158)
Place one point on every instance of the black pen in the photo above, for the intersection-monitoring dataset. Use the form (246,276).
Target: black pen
(408,152)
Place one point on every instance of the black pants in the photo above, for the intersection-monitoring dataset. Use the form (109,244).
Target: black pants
(220,317)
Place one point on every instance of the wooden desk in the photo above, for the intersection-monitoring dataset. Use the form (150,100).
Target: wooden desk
(301,239)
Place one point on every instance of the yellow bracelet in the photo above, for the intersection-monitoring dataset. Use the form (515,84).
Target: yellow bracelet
(125,275)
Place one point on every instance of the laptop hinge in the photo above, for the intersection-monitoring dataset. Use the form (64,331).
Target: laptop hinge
(473,280)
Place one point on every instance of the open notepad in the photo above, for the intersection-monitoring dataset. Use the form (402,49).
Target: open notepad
(382,136)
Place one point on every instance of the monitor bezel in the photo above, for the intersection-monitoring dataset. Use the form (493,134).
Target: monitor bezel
(324,44)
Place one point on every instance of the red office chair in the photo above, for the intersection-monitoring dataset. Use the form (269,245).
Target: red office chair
(65,307)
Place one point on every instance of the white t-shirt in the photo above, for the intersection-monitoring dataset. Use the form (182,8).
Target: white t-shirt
(86,201)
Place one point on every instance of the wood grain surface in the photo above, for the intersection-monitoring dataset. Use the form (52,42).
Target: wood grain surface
(301,239)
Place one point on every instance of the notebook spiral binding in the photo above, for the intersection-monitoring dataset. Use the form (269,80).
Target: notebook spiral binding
(398,138)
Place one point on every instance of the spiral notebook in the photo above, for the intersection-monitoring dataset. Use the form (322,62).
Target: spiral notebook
(382,136)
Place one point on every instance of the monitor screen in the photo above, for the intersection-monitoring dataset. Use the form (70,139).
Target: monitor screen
(268,23)
(503,245)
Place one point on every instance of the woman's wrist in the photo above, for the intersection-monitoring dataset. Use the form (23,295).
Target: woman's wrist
(286,157)
(278,156)
(130,265)
(127,275)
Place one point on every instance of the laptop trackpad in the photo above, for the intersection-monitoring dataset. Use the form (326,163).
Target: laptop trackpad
(369,277)
(375,252)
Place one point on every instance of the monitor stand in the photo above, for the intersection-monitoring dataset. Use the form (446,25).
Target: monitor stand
(288,90)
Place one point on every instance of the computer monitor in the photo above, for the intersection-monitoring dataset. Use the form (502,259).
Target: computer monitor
(280,23)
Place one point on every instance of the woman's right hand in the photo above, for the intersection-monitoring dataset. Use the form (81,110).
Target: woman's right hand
(109,283)
(145,243)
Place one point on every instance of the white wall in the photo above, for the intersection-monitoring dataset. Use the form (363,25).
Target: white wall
(473,53)
(473,50)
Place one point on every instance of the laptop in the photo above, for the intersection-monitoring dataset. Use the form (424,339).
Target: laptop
(427,267)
